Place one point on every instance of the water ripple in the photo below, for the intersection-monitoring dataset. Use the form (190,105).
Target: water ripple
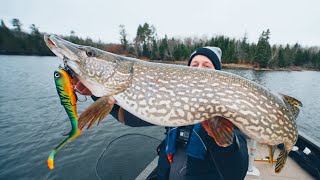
(29,104)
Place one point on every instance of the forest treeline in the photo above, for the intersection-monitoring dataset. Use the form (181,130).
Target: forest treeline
(18,42)
(147,45)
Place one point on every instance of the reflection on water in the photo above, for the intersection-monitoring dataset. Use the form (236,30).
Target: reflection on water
(256,76)
(29,104)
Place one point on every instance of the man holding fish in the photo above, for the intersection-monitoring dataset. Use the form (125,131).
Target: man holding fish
(189,152)
(174,96)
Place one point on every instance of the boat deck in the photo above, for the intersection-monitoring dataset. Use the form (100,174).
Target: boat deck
(290,171)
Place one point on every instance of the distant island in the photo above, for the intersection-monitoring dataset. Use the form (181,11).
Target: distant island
(237,53)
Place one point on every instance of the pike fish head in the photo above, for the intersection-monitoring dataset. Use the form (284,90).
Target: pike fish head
(92,66)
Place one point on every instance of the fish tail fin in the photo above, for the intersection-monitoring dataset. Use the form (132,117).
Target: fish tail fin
(271,150)
(281,160)
(293,104)
(96,111)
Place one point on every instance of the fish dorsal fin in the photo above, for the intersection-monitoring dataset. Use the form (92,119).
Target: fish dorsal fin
(220,129)
(293,104)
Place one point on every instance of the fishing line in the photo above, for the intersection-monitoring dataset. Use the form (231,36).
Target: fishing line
(45,133)
(82,100)
(151,177)
(52,123)
(214,162)
(49,127)
(101,155)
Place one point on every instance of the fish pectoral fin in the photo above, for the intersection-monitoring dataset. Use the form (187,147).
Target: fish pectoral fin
(281,160)
(96,111)
(121,115)
(293,104)
(220,129)
(271,150)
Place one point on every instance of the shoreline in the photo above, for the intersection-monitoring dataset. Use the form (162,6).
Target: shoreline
(225,66)
(251,66)
(244,66)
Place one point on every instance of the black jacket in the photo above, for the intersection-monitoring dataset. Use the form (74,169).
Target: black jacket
(220,163)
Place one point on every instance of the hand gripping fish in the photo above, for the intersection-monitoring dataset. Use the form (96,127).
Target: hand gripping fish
(175,95)
(69,102)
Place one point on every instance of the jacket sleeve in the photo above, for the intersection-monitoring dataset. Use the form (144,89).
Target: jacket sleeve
(127,118)
(231,161)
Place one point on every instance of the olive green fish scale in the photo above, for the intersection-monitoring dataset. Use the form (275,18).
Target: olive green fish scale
(174,96)
(167,94)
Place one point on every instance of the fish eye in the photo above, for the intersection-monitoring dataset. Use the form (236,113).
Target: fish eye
(56,75)
(89,53)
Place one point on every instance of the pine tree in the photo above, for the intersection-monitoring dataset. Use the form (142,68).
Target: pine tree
(298,59)
(17,24)
(155,50)
(145,51)
(281,60)
(123,37)
(163,48)
(243,50)
(263,51)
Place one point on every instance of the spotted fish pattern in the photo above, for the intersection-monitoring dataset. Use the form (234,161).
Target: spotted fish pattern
(169,96)
(174,95)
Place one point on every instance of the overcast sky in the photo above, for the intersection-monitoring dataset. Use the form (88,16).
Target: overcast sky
(289,21)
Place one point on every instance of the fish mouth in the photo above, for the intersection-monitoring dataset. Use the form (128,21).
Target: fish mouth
(74,57)
(69,52)
(62,48)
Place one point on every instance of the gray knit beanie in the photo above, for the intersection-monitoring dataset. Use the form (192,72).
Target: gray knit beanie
(213,53)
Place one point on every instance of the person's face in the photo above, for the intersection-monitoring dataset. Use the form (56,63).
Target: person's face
(201,61)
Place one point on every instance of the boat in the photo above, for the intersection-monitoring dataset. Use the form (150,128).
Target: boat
(303,162)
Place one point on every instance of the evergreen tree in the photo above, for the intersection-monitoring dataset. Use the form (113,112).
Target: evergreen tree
(155,50)
(146,44)
(263,51)
(72,33)
(243,50)
(145,51)
(3,25)
(163,48)
(34,29)
(281,60)
(317,60)
(123,37)
(288,56)
(230,53)
(180,52)
(17,24)
(145,36)
(299,59)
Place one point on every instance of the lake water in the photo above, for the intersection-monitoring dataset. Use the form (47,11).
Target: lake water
(31,124)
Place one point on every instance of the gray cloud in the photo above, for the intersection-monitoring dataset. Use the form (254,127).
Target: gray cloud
(290,21)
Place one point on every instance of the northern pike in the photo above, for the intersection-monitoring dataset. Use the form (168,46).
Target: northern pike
(69,102)
(175,95)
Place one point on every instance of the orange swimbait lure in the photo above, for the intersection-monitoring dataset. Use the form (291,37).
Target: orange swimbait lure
(69,102)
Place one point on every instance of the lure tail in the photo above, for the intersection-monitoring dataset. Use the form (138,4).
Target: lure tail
(50,160)
(68,100)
